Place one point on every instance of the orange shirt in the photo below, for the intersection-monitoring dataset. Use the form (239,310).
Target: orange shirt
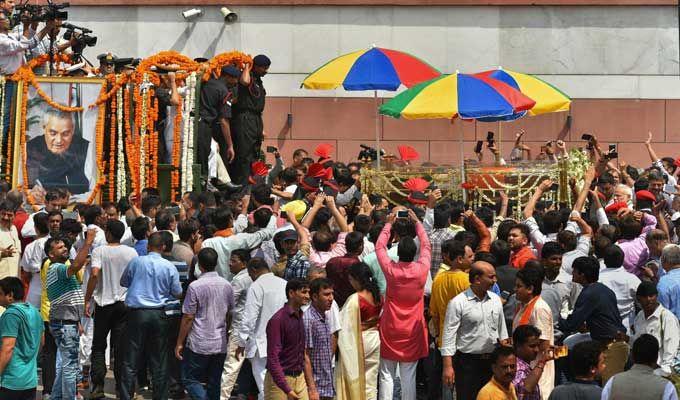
(519,258)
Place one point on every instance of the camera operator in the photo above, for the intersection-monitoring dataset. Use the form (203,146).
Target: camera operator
(13,45)
(43,47)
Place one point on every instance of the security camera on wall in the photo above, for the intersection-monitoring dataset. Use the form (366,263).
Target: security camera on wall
(193,13)
(229,16)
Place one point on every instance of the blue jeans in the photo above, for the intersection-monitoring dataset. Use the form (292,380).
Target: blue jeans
(196,368)
(67,340)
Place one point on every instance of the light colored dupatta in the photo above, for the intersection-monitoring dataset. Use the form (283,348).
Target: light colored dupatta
(350,373)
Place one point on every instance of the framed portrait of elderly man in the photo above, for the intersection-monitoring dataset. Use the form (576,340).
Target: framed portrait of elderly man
(61,148)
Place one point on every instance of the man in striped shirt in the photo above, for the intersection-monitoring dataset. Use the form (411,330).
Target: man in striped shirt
(67,307)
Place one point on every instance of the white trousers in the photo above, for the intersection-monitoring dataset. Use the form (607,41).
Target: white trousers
(407,376)
(232,366)
(85,350)
(259,365)
(216,167)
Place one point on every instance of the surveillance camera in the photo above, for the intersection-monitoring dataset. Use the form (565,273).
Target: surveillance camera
(229,16)
(192,13)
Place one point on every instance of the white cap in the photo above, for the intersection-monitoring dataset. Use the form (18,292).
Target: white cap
(675,216)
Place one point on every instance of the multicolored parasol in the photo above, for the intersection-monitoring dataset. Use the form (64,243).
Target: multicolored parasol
(458,95)
(371,69)
(548,98)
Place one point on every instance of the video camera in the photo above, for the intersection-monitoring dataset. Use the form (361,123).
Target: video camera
(82,39)
(41,13)
(368,153)
(121,63)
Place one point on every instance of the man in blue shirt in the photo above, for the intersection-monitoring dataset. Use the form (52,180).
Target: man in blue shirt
(140,231)
(21,331)
(596,306)
(152,282)
(669,284)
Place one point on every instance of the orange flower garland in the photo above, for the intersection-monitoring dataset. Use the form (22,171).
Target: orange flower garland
(153,154)
(116,86)
(235,58)
(130,146)
(184,63)
(22,143)
(10,147)
(176,147)
(112,148)
(101,118)
(49,100)
(26,74)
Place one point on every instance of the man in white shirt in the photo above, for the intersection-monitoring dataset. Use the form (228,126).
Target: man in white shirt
(473,326)
(108,263)
(552,223)
(621,282)
(240,284)
(13,46)
(659,322)
(574,246)
(265,297)
(10,247)
(95,218)
(225,245)
(53,202)
(33,257)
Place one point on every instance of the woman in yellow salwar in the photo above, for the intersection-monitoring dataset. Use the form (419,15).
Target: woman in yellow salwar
(358,339)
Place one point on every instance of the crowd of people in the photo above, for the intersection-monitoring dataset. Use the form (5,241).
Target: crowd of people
(296,285)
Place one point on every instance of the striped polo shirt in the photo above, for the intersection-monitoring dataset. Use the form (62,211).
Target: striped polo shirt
(65,294)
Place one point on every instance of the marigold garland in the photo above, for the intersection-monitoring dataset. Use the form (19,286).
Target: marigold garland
(3,84)
(121,187)
(99,135)
(22,143)
(235,58)
(10,146)
(26,74)
(176,147)
(116,85)
(112,147)
(130,145)
(185,64)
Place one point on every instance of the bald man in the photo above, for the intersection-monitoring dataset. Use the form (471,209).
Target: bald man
(473,326)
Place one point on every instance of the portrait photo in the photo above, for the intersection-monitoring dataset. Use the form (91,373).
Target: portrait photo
(60,145)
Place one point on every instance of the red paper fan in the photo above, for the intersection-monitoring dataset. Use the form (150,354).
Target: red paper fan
(259,168)
(416,184)
(324,150)
(408,153)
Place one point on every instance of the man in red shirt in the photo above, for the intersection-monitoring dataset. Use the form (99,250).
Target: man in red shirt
(518,238)
(337,267)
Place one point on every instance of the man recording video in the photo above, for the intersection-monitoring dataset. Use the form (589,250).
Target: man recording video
(13,45)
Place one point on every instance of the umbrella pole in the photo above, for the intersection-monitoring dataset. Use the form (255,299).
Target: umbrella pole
(500,138)
(462,158)
(377,126)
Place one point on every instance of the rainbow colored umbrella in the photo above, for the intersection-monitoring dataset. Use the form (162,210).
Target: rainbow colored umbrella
(371,69)
(548,98)
(458,95)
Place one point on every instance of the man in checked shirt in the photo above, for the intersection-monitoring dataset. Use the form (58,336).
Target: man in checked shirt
(318,345)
